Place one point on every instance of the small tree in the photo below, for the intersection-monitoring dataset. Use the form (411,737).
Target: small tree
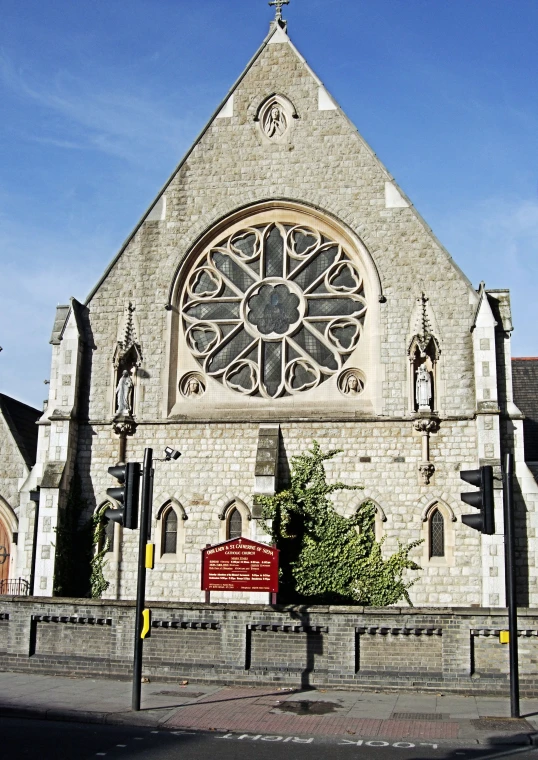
(327,558)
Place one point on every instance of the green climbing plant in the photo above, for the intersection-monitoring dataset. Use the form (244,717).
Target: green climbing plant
(100,543)
(78,570)
(327,558)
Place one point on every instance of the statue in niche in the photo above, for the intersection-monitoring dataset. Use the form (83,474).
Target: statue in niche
(193,388)
(353,386)
(124,394)
(275,122)
(423,389)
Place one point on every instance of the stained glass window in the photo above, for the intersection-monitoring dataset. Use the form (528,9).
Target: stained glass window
(437,535)
(235,524)
(273,310)
(169,532)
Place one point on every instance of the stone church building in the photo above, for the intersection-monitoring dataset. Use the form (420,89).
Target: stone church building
(281,289)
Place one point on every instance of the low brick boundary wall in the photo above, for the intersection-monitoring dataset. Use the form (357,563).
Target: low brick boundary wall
(453,649)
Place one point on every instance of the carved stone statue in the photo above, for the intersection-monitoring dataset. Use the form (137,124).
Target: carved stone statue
(124,394)
(352,385)
(194,388)
(275,123)
(423,389)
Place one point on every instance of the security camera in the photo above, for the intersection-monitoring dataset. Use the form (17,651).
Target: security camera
(171,453)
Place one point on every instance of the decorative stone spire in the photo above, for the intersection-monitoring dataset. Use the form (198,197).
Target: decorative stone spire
(279,21)
(423,329)
(130,330)
(425,324)
(128,340)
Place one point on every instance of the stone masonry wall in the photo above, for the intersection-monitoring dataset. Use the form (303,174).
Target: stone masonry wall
(12,467)
(217,466)
(419,649)
(326,165)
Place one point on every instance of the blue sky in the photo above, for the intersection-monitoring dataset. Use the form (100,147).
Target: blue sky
(100,100)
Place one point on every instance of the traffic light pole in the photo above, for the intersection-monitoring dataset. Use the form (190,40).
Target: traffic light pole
(511,599)
(145,514)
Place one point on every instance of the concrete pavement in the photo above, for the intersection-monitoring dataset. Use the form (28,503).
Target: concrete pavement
(254,712)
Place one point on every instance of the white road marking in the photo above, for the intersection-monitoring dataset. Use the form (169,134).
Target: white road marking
(341,742)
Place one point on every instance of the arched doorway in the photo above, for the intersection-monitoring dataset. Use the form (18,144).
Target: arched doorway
(5,551)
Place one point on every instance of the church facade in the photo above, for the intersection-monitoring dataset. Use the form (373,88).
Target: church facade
(282,289)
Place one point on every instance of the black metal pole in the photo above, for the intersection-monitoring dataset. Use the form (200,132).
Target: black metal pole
(511,599)
(147,483)
(34,496)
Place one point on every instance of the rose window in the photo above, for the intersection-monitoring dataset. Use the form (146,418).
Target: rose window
(273,310)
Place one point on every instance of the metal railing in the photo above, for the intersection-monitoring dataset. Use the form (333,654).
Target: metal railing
(14,587)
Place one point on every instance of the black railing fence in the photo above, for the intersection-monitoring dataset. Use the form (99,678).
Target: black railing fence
(14,587)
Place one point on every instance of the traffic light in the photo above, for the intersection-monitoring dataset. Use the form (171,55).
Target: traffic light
(481,499)
(127,494)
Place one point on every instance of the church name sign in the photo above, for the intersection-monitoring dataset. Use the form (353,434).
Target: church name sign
(240,565)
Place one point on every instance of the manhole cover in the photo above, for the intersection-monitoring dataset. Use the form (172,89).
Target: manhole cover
(501,724)
(307,707)
(182,694)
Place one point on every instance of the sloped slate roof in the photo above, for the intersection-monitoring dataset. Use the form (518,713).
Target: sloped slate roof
(21,420)
(525,384)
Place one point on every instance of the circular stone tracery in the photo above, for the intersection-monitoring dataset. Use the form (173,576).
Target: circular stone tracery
(273,310)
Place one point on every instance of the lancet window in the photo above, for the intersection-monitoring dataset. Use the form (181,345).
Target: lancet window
(169,531)
(235,524)
(437,534)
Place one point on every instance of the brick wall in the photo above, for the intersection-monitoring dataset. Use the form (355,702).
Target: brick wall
(3,636)
(183,647)
(288,651)
(454,649)
(491,658)
(73,640)
(400,654)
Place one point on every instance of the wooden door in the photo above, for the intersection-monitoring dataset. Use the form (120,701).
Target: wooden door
(5,548)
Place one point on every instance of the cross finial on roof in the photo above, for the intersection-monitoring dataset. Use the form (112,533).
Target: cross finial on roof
(278,8)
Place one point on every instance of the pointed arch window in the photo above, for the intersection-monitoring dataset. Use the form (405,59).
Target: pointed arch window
(169,532)
(437,534)
(235,524)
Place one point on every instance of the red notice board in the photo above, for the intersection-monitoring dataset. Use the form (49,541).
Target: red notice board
(240,565)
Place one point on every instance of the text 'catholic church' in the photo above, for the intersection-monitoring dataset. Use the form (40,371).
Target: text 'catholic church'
(281,289)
